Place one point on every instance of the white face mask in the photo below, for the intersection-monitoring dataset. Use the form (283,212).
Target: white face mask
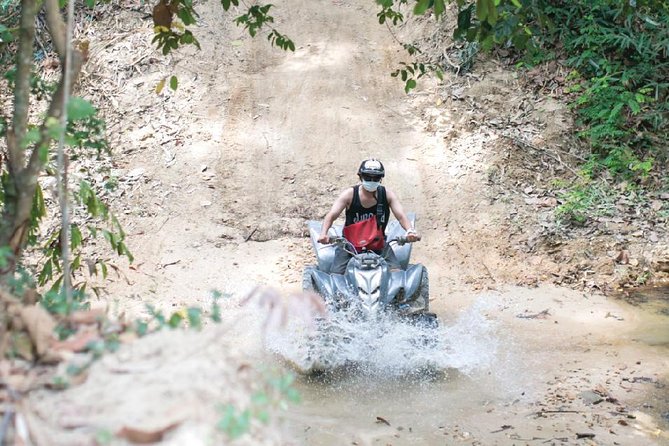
(370,186)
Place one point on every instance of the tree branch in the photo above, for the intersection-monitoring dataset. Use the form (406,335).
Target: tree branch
(24,63)
(57,28)
(58,33)
(26,180)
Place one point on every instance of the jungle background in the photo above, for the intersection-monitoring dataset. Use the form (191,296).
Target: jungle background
(530,138)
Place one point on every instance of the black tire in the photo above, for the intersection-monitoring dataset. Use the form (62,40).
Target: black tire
(423,293)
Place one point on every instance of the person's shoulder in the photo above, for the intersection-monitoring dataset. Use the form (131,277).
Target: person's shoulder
(347,193)
(390,194)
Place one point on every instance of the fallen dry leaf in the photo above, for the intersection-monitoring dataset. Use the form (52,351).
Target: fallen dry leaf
(77,342)
(548,202)
(656,205)
(382,420)
(623,257)
(40,325)
(87,317)
(127,337)
(143,436)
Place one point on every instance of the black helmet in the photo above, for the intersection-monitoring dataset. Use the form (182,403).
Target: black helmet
(372,167)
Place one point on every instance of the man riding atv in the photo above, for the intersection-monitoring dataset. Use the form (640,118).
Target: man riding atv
(368,207)
(363,269)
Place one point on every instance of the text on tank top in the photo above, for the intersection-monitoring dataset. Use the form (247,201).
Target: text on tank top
(356,212)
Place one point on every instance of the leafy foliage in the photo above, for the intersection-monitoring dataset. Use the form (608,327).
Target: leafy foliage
(584,200)
(619,54)
(622,56)
(170,34)
(8,27)
(85,131)
(192,316)
(276,391)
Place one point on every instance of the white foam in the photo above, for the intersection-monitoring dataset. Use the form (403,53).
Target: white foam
(388,346)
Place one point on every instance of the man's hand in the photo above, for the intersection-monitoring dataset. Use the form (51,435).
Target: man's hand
(412,236)
(324,239)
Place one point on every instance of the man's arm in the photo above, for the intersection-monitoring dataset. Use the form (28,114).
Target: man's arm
(399,214)
(341,203)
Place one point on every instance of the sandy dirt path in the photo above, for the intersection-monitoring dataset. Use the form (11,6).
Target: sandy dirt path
(270,143)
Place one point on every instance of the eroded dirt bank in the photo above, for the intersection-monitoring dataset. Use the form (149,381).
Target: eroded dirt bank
(216,190)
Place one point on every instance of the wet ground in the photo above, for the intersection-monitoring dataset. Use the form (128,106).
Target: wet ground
(653,307)
(502,383)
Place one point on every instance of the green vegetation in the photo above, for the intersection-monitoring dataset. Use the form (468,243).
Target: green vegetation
(276,392)
(618,56)
(30,148)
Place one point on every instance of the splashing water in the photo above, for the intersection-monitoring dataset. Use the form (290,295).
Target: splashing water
(387,346)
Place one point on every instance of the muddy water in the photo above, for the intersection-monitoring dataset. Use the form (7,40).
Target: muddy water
(496,378)
(388,387)
(652,306)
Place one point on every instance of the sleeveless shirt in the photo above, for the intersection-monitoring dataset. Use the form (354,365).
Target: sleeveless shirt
(357,213)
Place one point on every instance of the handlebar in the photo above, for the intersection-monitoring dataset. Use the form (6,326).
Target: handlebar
(402,240)
(347,246)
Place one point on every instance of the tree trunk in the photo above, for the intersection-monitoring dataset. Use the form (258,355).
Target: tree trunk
(22,178)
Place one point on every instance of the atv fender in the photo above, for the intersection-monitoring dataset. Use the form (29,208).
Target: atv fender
(408,280)
(328,285)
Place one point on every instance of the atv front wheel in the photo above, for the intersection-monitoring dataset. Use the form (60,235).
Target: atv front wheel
(307,279)
(422,302)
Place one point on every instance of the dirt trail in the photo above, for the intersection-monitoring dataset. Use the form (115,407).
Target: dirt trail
(265,145)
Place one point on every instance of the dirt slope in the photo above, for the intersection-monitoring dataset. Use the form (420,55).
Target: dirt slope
(219,178)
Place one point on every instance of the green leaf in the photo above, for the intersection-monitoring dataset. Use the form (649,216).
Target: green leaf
(174,83)
(293,395)
(75,236)
(516,3)
(260,399)
(421,7)
(141,327)
(263,416)
(464,19)
(492,12)
(410,85)
(439,7)
(32,136)
(195,317)
(175,320)
(46,273)
(634,106)
(76,263)
(39,206)
(481,10)
(78,109)
(43,153)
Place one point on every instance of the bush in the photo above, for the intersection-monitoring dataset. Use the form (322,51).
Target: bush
(619,55)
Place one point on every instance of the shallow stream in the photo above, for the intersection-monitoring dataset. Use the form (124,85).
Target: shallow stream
(653,311)
(466,386)
(395,381)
